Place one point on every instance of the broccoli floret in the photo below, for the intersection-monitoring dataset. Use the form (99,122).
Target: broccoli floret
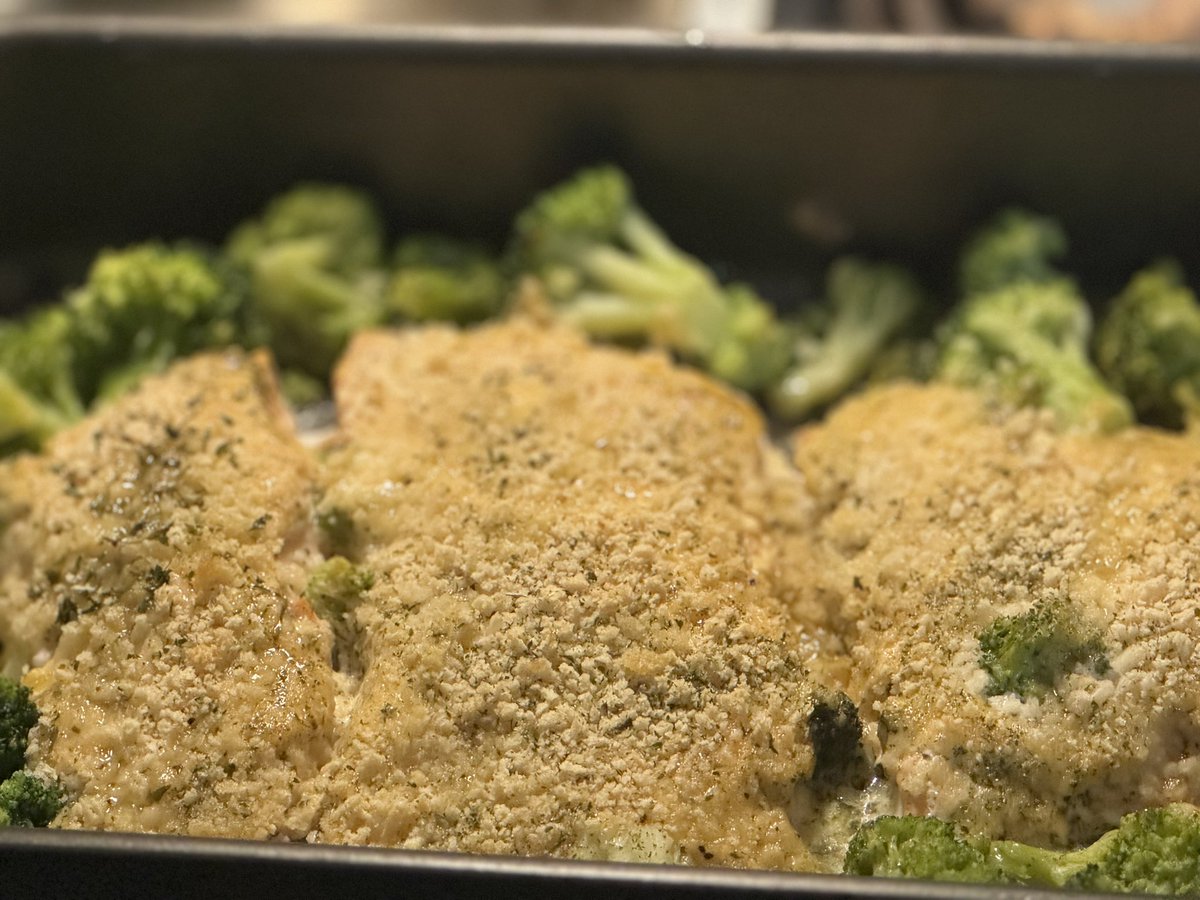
(301,389)
(314,259)
(28,802)
(1148,346)
(912,359)
(918,847)
(835,730)
(37,383)
(143,307)
(756,348)
(438,278)
(1028,343)
(1016,246)
(1027,654)
(613,273)
(17,715)
(868,303)
(336,586)
(1155,851)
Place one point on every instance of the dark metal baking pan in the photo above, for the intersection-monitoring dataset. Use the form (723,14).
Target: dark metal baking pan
(78,864)
(762,153)
(746,151)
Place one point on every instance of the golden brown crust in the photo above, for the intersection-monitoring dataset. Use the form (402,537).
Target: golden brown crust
(187,687)
(934,516)
(569,638)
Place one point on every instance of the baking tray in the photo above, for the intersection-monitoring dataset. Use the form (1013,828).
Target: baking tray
(766,154)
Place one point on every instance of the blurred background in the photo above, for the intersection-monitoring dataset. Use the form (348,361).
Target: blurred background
(1091,20)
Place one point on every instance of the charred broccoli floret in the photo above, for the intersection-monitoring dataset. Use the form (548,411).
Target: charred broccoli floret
(613,273)
(868,303)
(1148,346)
(438,278)
(314,259)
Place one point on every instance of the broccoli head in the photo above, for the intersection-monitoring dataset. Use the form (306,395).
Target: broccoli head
(345,218)
(438,278)
(28,802)
(17,715)
(613,273)
(868,303)
(1148,346)
(1154,851)
(918,847)
(1028,343)
(756,347)
(37,382)
(1014,247)
(142,307)
(314,259)
(1027,654)
(336,586)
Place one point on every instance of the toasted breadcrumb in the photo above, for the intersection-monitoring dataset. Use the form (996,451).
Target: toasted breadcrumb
(157,549)
(935,515)
(570,647)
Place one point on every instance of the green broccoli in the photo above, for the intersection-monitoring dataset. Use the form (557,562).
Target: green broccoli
(1016,246)
(913,359)
(37,383)
(1155,851)
(1027,654)
(756,348)
(868,303)
(139,309)
(336,586)
(613,273)
(1028,343)
(17,715)
(28,802)
(143,307)
(918,847)
(437,278)
(314,259)
(1148,346)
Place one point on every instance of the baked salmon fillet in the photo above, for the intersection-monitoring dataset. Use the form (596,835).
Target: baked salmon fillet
(937,522)
(151,570)
(569,647)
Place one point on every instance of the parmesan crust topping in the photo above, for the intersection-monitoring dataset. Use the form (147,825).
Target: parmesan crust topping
(157,548)
(934,516)
(570,646)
